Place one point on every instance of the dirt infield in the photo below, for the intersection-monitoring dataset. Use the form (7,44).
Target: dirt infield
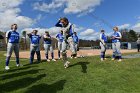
(92,52)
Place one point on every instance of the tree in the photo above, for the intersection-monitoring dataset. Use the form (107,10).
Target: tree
(132,36)
(25,37)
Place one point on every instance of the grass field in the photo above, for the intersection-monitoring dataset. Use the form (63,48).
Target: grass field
(85,75)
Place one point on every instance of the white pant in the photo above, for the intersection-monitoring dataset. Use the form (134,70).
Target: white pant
(48,47)
(116,48)
(70,43)
(59,46)
(103,47)
(11,47)
(34,47)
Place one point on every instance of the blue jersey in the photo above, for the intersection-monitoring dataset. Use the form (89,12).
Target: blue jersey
(103,37)
(116,34)
(13,36)
(75,39)
(48,41)
(34,39)
(60,37)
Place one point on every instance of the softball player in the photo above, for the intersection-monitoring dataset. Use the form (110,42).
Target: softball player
(34,46)
(68,30)
(12,41)
(60,38)
(103,40)
(116,44)
(76,42)
(48,46)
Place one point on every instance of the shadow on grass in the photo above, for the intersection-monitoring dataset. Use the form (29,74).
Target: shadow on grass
(83,65)
(107,56)
(14,75)
(20,83)
(45,88)
(44,60)
(17,69)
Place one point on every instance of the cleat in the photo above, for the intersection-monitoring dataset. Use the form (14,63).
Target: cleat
(71,57)
(113,59)
(66,65)
(17,65)
(7,68)
(48,60)
(53,60)
(59,58)
(119,60)
(105,58)
(102,59)
(75,57)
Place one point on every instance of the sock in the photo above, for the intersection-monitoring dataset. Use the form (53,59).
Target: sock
(46,56)
(102,55)
(59,54)
(120,57)
(52,55)
(32,56)
(17,60)
(7,60)
(113,55)
(38,56)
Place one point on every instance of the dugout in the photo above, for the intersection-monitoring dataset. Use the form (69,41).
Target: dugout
(124,45)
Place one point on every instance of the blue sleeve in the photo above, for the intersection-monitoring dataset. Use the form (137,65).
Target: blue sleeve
(77,39)
(40,37)
(58,24)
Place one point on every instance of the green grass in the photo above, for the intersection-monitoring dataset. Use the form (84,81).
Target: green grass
(85,75)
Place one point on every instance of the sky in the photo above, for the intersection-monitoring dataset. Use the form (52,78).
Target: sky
(88,16)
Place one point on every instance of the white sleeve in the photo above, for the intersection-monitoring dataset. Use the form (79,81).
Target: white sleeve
(119,34)
(73,28)
(7,34)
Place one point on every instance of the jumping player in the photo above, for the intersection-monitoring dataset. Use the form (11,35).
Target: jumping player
(68,30)
(116,44)
(12,41)
(76,43)
(34,46)
(103,40)
(60,39)
(48,45)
